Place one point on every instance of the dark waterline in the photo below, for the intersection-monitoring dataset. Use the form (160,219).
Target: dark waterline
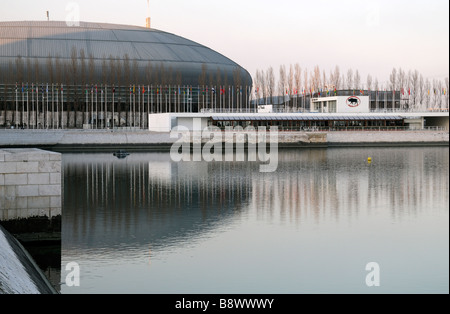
(147,225)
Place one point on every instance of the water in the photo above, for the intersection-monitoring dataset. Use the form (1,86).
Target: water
(146,225)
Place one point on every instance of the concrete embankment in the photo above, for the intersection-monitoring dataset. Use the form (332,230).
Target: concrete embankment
(19,274)
(92,140)
(394,138)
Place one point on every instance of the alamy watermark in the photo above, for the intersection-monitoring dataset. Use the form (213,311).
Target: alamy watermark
(373,277)
(212,144)
(73,275)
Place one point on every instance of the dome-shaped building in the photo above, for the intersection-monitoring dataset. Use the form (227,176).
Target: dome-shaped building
(74,66)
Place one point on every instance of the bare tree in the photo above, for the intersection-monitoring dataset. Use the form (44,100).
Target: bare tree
(421,92)
(315,79)
(74,65)
(428,92)
(393,85)
(349,81)
(19,69)
(270,81)
(305,79)
(446,93)
(298,80)
(84,76)
(91,69)
(135,72)
(369,82)
(263,85)
(149,73)
(290,82)
(357,81)
(203,74)
(112,71)
(437,99)
(282,81)
(104,71)
(29,74)
(414,81)
(237,76)
(36,71)
(218,77)
(335,78)
(393,80)
(127,69)
(59,70)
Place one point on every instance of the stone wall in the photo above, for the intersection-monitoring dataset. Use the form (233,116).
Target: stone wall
(30,184)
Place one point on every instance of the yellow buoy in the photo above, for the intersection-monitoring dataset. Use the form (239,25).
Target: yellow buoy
(369,160)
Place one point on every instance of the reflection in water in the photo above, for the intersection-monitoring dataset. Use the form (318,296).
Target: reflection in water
(321,205)
(147,197)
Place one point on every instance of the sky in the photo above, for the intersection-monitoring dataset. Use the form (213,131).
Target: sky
(371,36)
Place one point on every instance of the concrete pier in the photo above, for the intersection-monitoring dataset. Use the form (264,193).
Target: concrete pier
(19,274)
(30,184)
(97,140)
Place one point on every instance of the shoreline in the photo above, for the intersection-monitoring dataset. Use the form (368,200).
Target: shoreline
(146,141)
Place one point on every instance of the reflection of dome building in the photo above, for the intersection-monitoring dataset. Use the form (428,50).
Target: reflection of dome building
(106,54)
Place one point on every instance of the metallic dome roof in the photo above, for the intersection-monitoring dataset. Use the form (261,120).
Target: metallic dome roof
(43,40)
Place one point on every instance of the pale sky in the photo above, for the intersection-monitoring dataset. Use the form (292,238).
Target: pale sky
(372,36)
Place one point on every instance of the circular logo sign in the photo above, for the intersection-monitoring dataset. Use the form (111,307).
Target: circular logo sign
(353,102)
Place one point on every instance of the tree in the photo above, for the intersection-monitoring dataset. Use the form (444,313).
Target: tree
(59,70)
(84,77)
(104,71)
(270,81)
(282,81)
(315,79)
(414,81)
(369,82)
(393,79)
(298,81)
(428,92)
(135,72)
(91,69)
(127,69)
(421,92)
(350,79)
(203,74)
(335,78)
(446,93)
(74,66)
(357,81)
(19,69)
(393,85)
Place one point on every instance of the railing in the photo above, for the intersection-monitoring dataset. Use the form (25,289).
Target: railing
(338,129)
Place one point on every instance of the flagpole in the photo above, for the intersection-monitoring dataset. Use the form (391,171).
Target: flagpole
(57,106)
(17,101)
(46,111)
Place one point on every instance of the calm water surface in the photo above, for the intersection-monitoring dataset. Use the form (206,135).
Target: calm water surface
(147,225)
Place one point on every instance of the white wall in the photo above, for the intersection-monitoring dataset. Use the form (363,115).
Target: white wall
(344,106)
(199,125)
(160,122)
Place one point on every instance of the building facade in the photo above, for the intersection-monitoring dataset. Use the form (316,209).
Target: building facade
(103,75)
